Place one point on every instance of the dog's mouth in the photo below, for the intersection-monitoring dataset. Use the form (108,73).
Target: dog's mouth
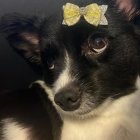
(73,106)
(79,107)
(85,111)
(80,112)
(85,108)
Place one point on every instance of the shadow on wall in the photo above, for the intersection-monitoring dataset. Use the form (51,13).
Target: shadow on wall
(14,71)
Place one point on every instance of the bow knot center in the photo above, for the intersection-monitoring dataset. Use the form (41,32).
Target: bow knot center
(83,11)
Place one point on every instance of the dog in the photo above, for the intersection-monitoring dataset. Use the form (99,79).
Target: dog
(90,66)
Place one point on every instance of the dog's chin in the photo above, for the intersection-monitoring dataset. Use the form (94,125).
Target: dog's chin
(77,114)
(84,112)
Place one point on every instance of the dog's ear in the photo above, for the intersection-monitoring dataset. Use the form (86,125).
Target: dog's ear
(23,34)
(130,7)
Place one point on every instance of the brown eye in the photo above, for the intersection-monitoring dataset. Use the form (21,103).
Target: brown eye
(50,65)
(97,44)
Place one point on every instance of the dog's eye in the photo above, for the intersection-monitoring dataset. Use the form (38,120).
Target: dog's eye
(50,64)
(97,44)
(48,57)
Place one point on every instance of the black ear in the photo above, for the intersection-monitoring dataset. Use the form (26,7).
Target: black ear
(23,34)
(130,7)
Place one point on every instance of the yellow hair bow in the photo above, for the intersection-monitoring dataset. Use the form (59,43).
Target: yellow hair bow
(93,14)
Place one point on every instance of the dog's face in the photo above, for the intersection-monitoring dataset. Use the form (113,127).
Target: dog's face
(84,66)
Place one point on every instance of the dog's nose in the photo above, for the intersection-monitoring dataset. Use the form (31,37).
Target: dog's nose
(68,100)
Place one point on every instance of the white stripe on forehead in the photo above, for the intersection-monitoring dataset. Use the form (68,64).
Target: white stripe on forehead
(65,77)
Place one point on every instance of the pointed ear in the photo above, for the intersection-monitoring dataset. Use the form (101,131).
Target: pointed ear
(23,34)
(130,7)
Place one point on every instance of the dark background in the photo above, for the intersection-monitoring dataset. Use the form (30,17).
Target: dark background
(14,71)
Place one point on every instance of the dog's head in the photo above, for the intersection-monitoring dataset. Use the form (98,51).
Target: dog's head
(83,65)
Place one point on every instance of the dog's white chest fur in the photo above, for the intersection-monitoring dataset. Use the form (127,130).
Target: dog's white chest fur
(103,129)
(120,121)
(87,130)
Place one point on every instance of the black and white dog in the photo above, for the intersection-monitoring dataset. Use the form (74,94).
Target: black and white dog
(90,88)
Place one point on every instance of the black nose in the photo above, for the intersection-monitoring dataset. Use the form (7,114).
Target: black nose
(68,100)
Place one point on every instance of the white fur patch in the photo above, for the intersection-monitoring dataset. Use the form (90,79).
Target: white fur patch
(119,121)
(65,77)
(14,131)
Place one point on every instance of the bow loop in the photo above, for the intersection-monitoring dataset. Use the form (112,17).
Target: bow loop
(93,15)
(71,14)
